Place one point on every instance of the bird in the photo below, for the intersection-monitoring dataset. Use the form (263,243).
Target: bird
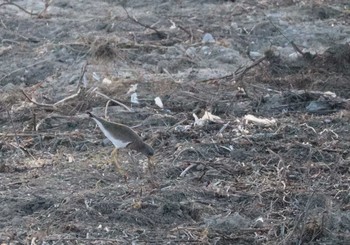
(123,136)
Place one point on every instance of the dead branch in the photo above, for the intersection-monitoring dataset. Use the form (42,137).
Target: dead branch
(222,128)
(161,35)
(170,76)
(21,8)
(240,74)
(23,68)
(189,33)
(81,87)
(184,150)
(183,173)
(42,14)
(34,134)
(106,108)
(115,101)
(82,75)
(13,127)
(295,47)
(85,239)
(53,107)
(176,124)
(129,45)
(53,115)
(68,97)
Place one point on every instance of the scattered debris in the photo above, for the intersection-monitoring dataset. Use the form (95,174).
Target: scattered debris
(208,38)
(207,117)
(159,102)
(260,121)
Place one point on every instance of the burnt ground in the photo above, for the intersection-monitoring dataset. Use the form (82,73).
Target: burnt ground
(235,180)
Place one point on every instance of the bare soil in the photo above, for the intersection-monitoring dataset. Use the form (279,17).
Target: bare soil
(284,180)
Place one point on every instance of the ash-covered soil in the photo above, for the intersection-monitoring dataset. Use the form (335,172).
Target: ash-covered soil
(265,162)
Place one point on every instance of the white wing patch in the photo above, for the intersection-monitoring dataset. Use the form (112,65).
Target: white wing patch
(117,143)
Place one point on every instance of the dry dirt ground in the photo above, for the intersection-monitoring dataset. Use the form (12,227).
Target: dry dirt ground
(231,179)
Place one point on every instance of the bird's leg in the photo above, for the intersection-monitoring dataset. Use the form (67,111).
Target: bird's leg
(114,154)
(151,179)
(151,164)
(116,163)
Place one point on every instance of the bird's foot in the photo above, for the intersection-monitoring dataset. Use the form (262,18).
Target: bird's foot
(121,171)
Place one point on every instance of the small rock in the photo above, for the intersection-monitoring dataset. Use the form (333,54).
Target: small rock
(208,38)
(255,55)
(191,52)
(318,106)
(229,223)
(206,50)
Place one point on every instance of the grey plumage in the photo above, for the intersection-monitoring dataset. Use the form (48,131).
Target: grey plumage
(122,136)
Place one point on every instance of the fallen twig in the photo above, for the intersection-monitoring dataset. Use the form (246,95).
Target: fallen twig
(183,173)
(106,108)
(295,47)
(21,8)
(115,101)
(240,74)
(189,33)
(81,90)
(34,134)
(23,68)
(53,107)
(85,239)
(68,97)
(82,74)
(81,87)
(13,127)
(159,34)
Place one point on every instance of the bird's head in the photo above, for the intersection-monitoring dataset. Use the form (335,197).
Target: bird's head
(147,150)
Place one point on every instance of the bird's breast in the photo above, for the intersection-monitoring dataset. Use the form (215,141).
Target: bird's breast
(118,143)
